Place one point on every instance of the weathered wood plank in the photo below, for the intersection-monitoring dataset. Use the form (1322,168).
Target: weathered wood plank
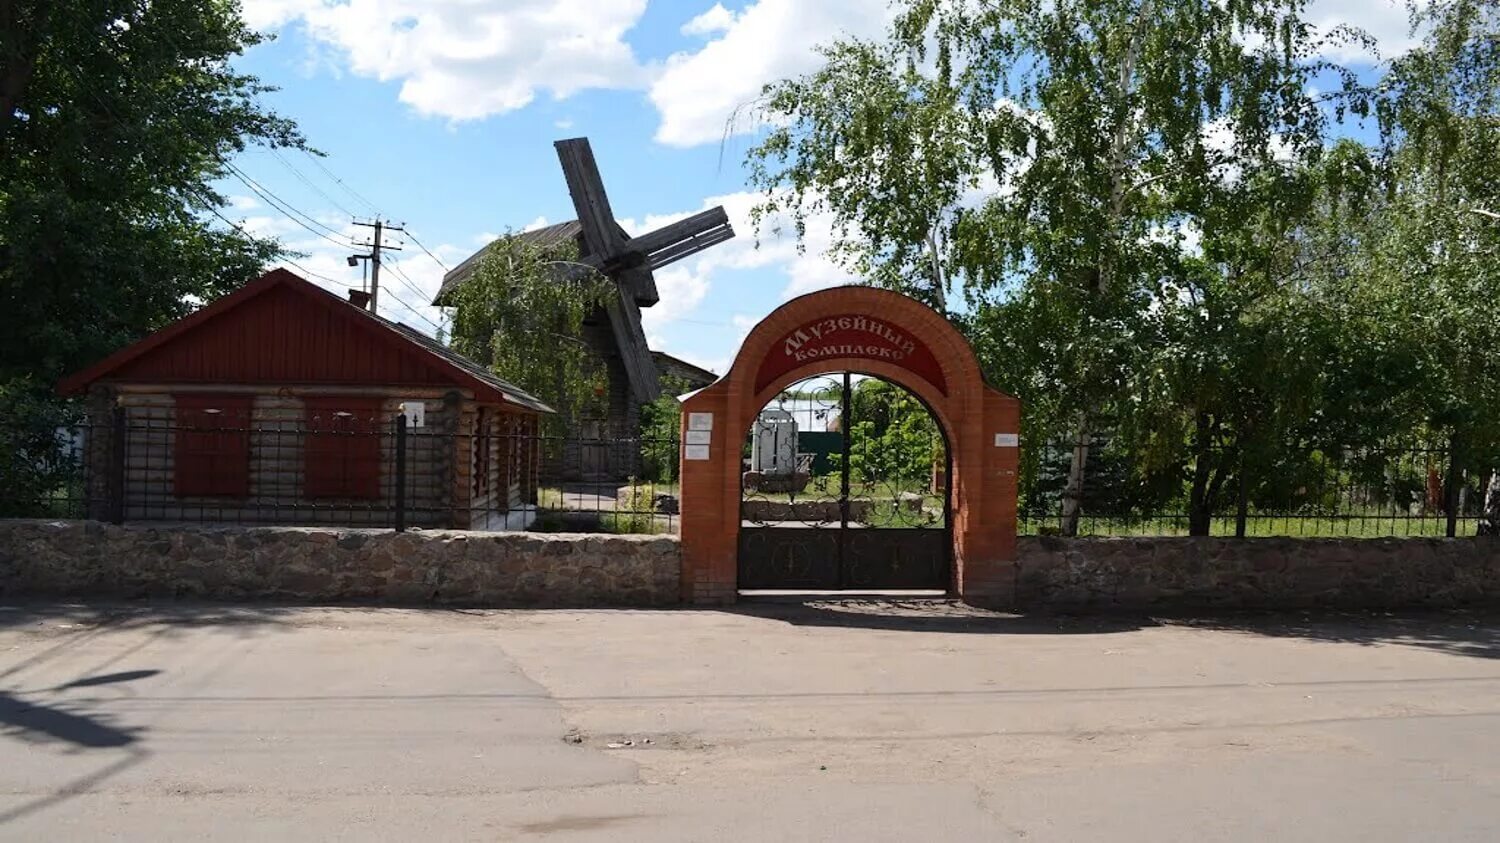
(601,236)
(640,368)
(666,244)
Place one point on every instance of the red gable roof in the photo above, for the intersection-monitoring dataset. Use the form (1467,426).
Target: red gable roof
(282,329)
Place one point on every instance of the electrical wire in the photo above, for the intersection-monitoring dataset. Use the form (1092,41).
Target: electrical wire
(406,280)
(413,311)
(435,259)
(340,182)
(307,181)
(286,208)
(300,268)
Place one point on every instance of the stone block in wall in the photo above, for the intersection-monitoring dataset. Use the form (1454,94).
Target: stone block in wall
(88,559)
(1270,573)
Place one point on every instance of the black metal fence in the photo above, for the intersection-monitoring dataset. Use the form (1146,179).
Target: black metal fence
(338,471)
(1398,490)
(377,472)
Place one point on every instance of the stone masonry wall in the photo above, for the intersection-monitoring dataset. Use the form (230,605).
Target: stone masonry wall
(90,559)
(1269,573)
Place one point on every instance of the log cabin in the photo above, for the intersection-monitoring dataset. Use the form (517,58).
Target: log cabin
(278,404)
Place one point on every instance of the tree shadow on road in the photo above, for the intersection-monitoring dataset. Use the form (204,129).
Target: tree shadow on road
(116,615)
(1454,632)
(36,722)
(1460,633)
(43,717)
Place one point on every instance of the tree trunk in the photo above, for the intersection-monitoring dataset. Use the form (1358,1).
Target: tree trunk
(939,278)
(20,35)
(1489,525)
(1200,500)
(1073,492)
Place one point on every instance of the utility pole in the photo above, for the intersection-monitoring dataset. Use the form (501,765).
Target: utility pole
(375,271)
(374,257)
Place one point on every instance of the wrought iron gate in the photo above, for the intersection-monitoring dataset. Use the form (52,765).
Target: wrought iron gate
(860,509)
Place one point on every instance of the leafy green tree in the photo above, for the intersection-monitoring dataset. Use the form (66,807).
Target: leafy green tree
(893,439)
(521,313)
(115,119)
(1436,238)
(1032,153)
(661,421)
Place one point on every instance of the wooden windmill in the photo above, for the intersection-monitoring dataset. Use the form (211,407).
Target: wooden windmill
(628,261)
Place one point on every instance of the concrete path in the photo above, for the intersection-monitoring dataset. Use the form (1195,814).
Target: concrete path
(836,720)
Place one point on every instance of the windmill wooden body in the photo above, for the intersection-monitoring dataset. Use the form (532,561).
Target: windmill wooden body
(614,333)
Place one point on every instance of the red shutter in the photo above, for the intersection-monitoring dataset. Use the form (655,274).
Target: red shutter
(342,451)
(211,454)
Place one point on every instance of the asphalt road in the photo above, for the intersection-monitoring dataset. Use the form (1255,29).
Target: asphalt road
(830,721)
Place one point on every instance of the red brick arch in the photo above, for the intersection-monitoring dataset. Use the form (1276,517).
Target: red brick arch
(876,332)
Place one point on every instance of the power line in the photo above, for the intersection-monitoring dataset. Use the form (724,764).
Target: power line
(414,312)
(406,280)
(286,208)
(305,180)
(427,250)
(340,182)
(300,268)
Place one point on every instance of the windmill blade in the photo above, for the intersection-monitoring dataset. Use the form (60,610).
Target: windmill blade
(640,283)
(601,236)
(640,368)
(684,237)
(681,249)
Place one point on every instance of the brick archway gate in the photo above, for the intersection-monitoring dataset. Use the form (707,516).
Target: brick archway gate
(875,332)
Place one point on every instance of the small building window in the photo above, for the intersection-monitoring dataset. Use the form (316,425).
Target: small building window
(342,450)
(211,454)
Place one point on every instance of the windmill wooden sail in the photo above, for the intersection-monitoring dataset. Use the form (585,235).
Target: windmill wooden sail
(627,261)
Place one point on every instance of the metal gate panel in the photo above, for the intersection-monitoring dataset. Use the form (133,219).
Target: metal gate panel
(825,536)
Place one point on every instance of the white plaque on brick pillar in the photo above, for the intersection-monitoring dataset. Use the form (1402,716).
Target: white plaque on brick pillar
(1007,440)
(695,452)
(699,437)
(700,421)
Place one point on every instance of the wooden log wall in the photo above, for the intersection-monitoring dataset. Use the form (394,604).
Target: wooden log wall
(277,468)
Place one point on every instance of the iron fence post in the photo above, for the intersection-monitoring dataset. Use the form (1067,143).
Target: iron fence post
(117,441)
(1450,490)
(401,473)
(1242,507)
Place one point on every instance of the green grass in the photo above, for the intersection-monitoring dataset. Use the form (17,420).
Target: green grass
(1351,526)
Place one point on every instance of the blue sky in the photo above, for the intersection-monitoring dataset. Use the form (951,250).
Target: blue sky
(441,114)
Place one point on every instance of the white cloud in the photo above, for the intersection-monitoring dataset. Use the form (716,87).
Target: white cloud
(682,289)
(467,59)
(1384,20)
(266,14)
(539,222)
(698,92)
(565,123)
(685,285)
(716,19)
(243,203)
